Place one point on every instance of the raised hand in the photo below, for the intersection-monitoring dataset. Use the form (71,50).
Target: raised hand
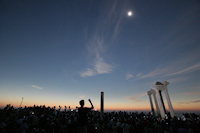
(89,100)
(91,103)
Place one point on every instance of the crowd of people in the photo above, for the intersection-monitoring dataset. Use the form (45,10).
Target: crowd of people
(41,119)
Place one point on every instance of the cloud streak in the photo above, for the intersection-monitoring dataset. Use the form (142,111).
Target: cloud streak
(102,37)
(129,76)
(190,102)
(88,73)
(99,67)
(187,70)
(136,98)
(171,71)
(36,87)
(178,66)
(107,27)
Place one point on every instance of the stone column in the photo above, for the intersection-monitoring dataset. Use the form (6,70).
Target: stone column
(162,100)
(168,99)
(152,109)
(156,103)
(162,112)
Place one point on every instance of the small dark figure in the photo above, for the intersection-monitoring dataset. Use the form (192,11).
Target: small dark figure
(83,120)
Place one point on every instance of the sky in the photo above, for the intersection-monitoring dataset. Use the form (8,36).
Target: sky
(58,52)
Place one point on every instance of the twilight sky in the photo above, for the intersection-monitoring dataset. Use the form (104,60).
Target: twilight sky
(59,52)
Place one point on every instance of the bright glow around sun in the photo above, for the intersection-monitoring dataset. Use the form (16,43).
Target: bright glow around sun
(129,13)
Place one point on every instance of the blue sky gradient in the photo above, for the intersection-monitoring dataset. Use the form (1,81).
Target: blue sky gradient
(58,52)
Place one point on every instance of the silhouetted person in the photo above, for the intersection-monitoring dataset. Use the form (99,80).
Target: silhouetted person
(82,112)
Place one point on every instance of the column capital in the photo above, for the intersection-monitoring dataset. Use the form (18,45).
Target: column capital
(148,93)
(157,87)
(151,92)
(165,83)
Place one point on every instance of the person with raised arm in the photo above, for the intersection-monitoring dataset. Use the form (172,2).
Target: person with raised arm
(82,113)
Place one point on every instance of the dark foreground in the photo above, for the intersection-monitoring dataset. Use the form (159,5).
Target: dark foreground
(48,120)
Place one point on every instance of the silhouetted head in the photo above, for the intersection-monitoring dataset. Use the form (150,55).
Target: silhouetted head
(82,103)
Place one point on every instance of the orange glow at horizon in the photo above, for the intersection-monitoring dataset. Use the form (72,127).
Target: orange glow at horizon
(108,106)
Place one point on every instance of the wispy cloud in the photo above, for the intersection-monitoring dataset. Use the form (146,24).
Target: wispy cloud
(190,102)
(36,87)
(171,71)
(178,66)
(187,70)
(99,67)
(157,72)
(102,37)
(138,75)
(136,97)
(129,76)
(88,73)
(195,101)
(107,27)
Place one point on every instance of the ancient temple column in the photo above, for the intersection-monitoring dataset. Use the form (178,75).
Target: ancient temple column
(151,103)
(168,99)
(156,103)
(162,100)
(156,91)
(160,104)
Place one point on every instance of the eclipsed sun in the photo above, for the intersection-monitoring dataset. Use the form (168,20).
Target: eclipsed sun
(130,13)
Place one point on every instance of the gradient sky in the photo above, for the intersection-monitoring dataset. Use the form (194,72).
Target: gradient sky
(59,52)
